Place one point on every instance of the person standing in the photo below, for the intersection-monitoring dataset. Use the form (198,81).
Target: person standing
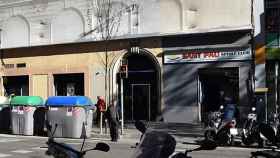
(112,116)
(101,108)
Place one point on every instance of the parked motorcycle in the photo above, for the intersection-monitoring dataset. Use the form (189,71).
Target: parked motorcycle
(62,150)
(205,145)
(274,122)
(153,143)
(250,132)
(268,132)
(158,144)
(223,133)
(215,118)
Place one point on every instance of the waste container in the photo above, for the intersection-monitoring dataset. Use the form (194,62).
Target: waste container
(71,114)
(5,115)
(23,108)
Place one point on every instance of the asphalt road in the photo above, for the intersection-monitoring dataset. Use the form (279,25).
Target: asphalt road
(30,147)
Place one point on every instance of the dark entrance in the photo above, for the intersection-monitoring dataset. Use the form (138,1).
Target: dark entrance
(17,85)
(215,85)
(141,88)
(141,103)
(69,84)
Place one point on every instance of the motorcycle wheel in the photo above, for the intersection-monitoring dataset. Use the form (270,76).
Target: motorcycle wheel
(247,140)
(224,138)
(210,134)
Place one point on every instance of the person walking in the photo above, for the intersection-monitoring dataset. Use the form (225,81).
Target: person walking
(112,117)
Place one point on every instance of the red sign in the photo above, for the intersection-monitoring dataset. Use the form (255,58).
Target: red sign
(204,56)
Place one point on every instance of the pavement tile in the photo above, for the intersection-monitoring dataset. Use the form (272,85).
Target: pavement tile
(4,155)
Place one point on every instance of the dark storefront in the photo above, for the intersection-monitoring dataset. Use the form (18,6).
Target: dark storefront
(195,76)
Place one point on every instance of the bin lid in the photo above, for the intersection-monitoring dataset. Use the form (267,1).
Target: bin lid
(4,101)
(27,100)
(68,101)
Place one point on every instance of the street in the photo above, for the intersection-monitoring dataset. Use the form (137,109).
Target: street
(30,147)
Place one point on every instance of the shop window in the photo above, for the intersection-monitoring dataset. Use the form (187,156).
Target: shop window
(272,27)
(272,40)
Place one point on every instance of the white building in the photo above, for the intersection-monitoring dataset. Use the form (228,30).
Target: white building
(46,42)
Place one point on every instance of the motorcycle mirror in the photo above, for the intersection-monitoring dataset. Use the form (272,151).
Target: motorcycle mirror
(221,107)
(102,147)
(253,108)
(140,126)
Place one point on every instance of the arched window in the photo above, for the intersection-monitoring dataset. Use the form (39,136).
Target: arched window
(68,26)
(171,15)
(15,32)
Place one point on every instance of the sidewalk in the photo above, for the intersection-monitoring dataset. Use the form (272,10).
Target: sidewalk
(133,135)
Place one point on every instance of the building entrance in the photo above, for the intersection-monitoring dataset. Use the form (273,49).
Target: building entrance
(141,88)
(141,102)
(216,84)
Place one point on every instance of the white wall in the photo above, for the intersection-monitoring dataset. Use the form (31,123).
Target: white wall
(15,32)
(65,21)
(67,26)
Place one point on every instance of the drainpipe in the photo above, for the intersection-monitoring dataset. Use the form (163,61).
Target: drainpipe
(276,87)
(253,46)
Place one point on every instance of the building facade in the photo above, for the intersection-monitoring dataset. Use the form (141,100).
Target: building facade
(180,55)
(272,29)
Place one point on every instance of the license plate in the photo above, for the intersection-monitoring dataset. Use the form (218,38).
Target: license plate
(233,131)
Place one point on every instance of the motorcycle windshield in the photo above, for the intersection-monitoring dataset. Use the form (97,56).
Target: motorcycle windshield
(155,144)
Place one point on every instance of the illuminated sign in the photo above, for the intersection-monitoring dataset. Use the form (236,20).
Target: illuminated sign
(206,56)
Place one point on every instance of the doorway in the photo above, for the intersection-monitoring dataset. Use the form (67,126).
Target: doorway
(141,102)
(216,84)
(141,93)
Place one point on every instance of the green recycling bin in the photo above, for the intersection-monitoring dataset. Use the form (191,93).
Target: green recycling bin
(5,115)
(23,108)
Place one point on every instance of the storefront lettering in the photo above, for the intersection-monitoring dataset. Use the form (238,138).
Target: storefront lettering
(191,55)
(211,54)
(197,56)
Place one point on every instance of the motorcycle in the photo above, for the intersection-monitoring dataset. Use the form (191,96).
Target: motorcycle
(224,133)
(250,132)
(275,124)
(153,143)
(205,145)
(215,118)
(268,132)
(158,144)
(62,150)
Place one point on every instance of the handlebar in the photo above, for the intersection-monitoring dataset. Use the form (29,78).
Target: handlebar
(62,150)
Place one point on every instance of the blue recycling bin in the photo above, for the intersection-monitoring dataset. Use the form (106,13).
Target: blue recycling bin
(72,114)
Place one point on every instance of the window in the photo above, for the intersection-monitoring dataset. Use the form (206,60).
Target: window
(272,27)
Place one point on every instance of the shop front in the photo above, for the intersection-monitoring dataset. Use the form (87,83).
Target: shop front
(196,81)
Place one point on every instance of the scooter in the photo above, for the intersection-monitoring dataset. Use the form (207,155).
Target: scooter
(268,132)
(153,143)
(275,123)
(250,132)
(62,150)
(215,118)
(224,134)
(205,145)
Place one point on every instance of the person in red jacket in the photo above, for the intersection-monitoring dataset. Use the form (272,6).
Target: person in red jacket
(101,107)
